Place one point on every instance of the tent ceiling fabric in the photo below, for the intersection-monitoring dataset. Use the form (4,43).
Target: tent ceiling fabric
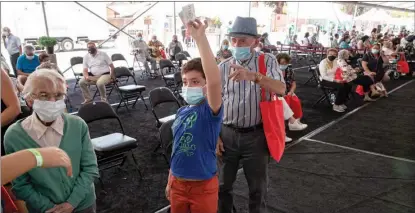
(410,5)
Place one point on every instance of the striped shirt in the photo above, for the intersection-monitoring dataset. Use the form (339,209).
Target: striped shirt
(241,99)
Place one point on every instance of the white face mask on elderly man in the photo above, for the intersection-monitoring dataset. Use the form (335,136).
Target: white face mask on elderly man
(49,111)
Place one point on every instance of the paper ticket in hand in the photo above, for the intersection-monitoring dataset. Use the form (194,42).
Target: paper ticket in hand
(188,13)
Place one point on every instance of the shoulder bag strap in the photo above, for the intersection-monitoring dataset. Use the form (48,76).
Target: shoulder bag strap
(263,71)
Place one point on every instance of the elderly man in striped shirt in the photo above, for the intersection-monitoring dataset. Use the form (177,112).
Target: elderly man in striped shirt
(242,133)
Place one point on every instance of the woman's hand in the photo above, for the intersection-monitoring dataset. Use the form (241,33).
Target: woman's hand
(197,28)
(55,157)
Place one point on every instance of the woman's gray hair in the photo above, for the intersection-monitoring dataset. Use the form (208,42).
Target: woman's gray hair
(51,77)
(342,54)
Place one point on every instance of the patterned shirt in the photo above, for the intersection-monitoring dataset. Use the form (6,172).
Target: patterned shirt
(241,99)
(223,54)
(289,78)
(195,134)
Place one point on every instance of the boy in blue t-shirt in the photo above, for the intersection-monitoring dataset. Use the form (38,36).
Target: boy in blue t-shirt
(193,183)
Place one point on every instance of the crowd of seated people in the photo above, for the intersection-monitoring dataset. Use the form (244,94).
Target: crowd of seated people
(44,89)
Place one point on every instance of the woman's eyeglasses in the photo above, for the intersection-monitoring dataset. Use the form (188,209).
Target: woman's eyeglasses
(50,96)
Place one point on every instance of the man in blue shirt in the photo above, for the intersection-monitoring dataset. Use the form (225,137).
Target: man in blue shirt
(196,132)
(26,64)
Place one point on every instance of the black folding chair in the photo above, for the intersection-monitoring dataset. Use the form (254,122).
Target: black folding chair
(113,149)
(108,89)
(128,91)
(77,60)
(166,140)
(119,57)
(186,54)
(158,96)
(167,70)
(329,93)
(313,78)
(179,58)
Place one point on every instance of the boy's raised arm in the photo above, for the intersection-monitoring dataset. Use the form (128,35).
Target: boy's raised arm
(211,69)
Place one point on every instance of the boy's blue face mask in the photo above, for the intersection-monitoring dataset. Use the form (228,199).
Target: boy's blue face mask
(241,53)
(192,95)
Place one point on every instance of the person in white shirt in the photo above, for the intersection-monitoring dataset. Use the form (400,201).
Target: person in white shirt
(306,40)
(327,68)
(98,70)
(13,45)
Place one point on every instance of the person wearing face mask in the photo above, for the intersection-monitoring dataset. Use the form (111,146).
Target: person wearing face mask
(26,64)
(98,70)
(196,131)
(175,47)
(242,130)
(363,44)
(155,46)
(142,55)
(14,47)
(327,68)
(373,65)
(224,52)
(294,124)
(345,42)
(349,75)
(51,190)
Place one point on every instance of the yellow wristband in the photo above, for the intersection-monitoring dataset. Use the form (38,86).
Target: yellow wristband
(38,156)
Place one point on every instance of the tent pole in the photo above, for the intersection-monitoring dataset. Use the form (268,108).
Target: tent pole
(102,18)
(119,30)
(296,19)
(249,11)
(45,19)
(174,18)
(132,21)
(354,13)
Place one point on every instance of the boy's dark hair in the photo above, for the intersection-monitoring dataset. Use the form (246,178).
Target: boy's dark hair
(194,65)
(283,56)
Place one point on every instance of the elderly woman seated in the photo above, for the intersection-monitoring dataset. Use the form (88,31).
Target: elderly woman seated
(347,74)
(294,123)
(224,52)
(328,67)
(373,65)
(45,189)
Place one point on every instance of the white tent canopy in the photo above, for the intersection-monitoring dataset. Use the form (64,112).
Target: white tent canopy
(314,10)
(408,6)
(376,15)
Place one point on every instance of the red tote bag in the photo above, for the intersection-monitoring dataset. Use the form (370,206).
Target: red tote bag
(272,118)
(295,104)
(9,206)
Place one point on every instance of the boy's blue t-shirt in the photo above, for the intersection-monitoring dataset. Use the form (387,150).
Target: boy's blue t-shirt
(26,65)
(195,132)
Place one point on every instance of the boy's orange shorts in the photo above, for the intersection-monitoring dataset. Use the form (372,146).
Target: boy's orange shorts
(194,196)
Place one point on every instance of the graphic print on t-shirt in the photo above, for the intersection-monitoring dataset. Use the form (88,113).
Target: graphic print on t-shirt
(185,143)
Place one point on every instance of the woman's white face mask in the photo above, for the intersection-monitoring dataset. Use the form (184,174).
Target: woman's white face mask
(49,111)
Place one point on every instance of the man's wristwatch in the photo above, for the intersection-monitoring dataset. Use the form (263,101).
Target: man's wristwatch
(258,78)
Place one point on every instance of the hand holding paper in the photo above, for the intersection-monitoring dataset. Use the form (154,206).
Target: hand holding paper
(197,28)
